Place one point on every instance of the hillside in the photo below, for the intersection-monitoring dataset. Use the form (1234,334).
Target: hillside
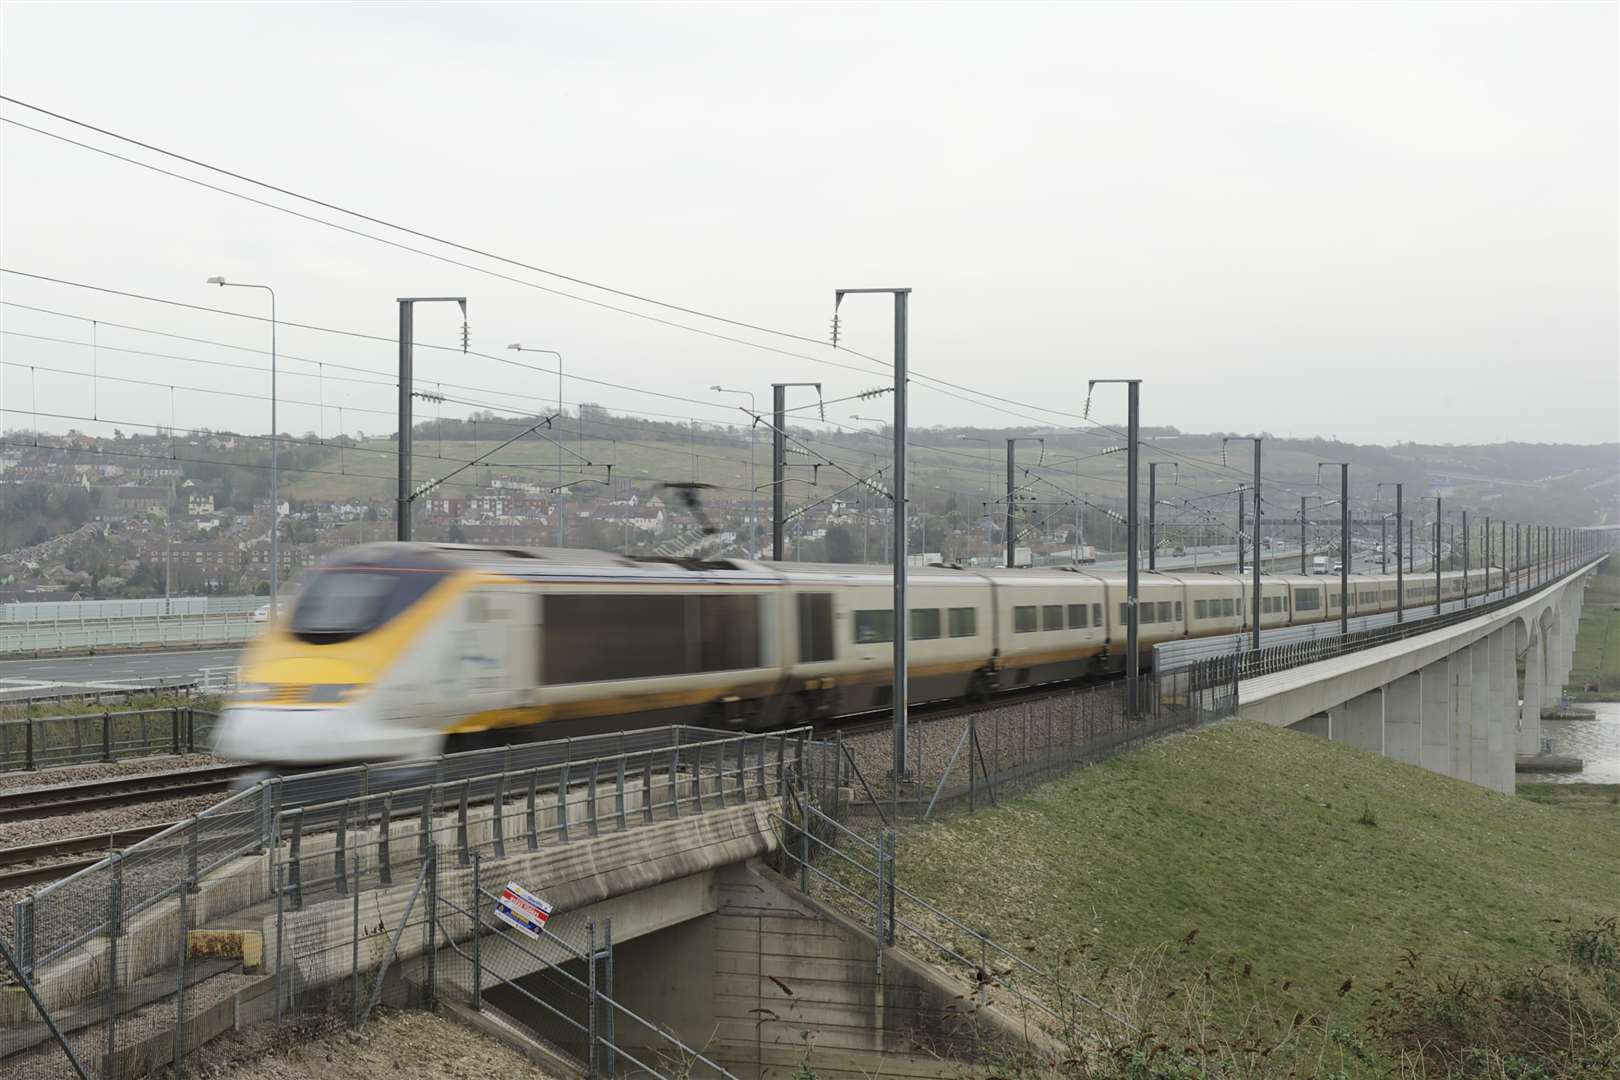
(1302,872)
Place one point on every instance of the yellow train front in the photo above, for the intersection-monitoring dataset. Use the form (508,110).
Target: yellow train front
(407,650)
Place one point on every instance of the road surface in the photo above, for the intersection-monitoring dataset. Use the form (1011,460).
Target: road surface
(29,677)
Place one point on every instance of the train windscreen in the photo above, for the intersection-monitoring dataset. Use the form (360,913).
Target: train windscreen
(343,603)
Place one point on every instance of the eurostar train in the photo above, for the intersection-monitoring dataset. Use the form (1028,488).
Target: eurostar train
(400,649)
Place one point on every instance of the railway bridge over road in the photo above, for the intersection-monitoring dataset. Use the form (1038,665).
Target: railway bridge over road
(1465,699)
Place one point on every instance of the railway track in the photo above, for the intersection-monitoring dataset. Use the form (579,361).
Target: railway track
(22,865)
(122,791)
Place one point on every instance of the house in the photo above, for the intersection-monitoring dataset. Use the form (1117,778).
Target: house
(132,501)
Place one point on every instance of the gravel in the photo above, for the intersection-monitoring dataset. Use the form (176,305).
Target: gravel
(78,774)
(89,822)
(396,1045)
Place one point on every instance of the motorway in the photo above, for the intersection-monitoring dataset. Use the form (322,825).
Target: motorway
(26,677)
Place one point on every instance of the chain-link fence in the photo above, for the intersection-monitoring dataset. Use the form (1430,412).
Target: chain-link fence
(41,742)
(971,757)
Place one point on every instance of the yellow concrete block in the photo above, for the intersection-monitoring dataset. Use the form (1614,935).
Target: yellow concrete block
(244,945)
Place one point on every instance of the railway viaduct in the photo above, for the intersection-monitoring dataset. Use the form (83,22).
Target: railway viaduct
(1465,700)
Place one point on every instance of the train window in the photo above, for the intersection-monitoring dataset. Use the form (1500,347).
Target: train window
(1146,615)
(1052,617)
(1164,610)
(1200,609)
(1024,619)
(924,623)
(1096,614)
(815,627)
(596,638)
(872,627)
(1228,608)
(963,622)
(1077,616)
(1124,614)
(1178,611)
(1308,600)
(729,632)
(1285,601)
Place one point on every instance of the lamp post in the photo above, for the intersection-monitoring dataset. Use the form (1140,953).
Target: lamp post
(561,489)
(753,489)
(1257,440)
(1133,427)
(275,464)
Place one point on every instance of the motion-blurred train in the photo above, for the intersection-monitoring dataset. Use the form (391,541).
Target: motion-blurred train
(401,650)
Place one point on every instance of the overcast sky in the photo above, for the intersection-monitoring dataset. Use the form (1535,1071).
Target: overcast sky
(1384,222)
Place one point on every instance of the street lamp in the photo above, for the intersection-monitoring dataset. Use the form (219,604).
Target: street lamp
(753,489)
(560,488)
(275,469)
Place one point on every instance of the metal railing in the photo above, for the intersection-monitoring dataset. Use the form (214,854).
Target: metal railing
(588,775)
(1206,671)
(127,633)
(41,742)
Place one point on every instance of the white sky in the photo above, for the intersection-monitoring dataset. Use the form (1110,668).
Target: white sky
(1377,221)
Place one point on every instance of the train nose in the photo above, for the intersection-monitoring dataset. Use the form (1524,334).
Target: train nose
(314,736)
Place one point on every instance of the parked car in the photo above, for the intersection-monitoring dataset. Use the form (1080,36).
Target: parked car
(261,614)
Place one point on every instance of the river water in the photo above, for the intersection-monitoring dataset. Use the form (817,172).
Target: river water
(1595,742)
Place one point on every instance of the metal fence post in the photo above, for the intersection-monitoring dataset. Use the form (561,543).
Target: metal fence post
(115,928)
(607,976)
(174,730)
(562,803)
(281,931)
(461,822)
(28,745)
(804,848)
(431,944)
(529,815)
(590,793)
(295,870)
(354,956)
(340,853)
(192,843)
(618,795)
(106,736)
(180,994)
(478,932)
(646,789)
(877,908)
(888,878)
(498,811)
(424,829)
(385,869)
(590,951)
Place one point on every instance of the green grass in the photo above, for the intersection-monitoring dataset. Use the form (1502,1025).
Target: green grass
(1597,642)
(1313,862)
(1599,800)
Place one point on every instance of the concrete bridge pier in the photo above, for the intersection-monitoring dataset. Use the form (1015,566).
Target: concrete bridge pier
(1530,708)
(1554,670)
(1403,719)
(1437,707)
(1462,714)
(1359,722)
(1504,710)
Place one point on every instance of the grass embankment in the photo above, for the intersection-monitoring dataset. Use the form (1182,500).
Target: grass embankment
(1600,800)
(1301,872)
(1595,673)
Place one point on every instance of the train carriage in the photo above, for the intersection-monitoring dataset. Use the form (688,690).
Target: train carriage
(400,650)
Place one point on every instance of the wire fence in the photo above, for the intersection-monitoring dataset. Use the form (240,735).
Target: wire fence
(43,742)
(338,871)
(972,757)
